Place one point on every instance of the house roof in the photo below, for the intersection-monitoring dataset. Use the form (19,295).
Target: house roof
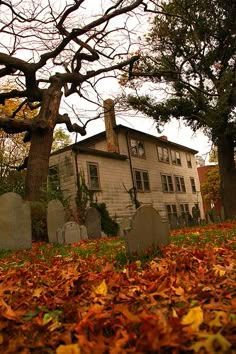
(81,145)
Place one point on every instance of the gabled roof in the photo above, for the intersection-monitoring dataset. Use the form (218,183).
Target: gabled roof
(131,132)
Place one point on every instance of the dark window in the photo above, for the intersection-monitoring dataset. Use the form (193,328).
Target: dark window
(93,176)
(189,161)
(184,209)
(137,148)
(141,181)
(179,184)
(167,183)
(175,157)
(53,178)
(193,186)
(171,211)
(163,154)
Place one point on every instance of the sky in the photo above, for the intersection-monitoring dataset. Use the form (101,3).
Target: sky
(175,131)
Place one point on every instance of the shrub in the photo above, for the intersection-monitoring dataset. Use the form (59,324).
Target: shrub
(109,226)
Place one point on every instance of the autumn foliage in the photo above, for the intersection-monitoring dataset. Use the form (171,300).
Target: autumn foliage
(91,298)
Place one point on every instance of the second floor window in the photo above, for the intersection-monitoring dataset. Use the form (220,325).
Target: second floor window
(93,176)
(141,181)
(193,186)
(179,184)
(167,183)
(163,154)
(189,162)
(137,148)
(175,158)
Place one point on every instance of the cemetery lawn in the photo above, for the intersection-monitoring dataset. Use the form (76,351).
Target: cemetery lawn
(92,298)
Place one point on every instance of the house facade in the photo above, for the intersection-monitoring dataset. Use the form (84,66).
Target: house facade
(124,167)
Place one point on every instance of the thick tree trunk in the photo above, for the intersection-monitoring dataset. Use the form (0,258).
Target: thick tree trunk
(41,143)
(227,174)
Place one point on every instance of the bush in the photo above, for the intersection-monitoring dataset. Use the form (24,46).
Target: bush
(109,226)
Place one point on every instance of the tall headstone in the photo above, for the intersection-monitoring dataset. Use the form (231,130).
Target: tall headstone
(55,219)
(71,232)
(93,223)
(15,222)
(147,230)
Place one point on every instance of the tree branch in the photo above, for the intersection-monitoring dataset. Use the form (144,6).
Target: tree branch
(70,127)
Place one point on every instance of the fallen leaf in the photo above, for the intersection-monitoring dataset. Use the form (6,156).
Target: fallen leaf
(219,316)
(101,289)
(219,270)
(193,319)
(209,343)
(68,349)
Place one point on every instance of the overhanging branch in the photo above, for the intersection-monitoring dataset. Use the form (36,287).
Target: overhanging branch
(70,127)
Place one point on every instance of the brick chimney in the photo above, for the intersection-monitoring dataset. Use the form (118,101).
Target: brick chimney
(110,123)
(163,137)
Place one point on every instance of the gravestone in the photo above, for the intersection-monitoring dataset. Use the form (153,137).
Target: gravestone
(147,230)
(55,219)
(15,222)
(60,234)
(83,232)
(93,223)
(71,232)
(124,224)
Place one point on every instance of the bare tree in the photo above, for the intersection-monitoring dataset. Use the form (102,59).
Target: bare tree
(54,52)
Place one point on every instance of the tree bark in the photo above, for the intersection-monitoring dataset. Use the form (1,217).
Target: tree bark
(41,143)
(228,175)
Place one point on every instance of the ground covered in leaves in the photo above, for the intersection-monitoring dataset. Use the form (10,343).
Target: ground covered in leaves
(92,298)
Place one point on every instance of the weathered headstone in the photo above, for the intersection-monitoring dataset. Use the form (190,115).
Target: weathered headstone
(60,234)
(93,223)
(15,222)
(55,219)
(147,230)
(83,232)
(72,232)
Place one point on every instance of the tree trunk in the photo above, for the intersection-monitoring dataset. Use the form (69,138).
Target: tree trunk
(227,175)
(41,143)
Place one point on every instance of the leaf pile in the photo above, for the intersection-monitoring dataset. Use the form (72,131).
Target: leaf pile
(80,299)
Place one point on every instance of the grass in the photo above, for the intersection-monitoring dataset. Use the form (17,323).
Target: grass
(87,297)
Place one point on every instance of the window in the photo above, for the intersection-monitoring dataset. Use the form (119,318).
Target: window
(184,209)
(141,181)
(53,178)
(137,148)
(167,183)
(193,186)
(189,162)
(179,184)
(175,157)
(163,154)
(93,176)
(171,212)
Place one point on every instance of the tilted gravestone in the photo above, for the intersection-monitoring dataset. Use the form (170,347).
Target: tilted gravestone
(55,219)
(93,223)
(71,232)
(15,222)
(83,232)
(147,230)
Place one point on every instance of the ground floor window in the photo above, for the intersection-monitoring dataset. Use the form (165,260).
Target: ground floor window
(93,176)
